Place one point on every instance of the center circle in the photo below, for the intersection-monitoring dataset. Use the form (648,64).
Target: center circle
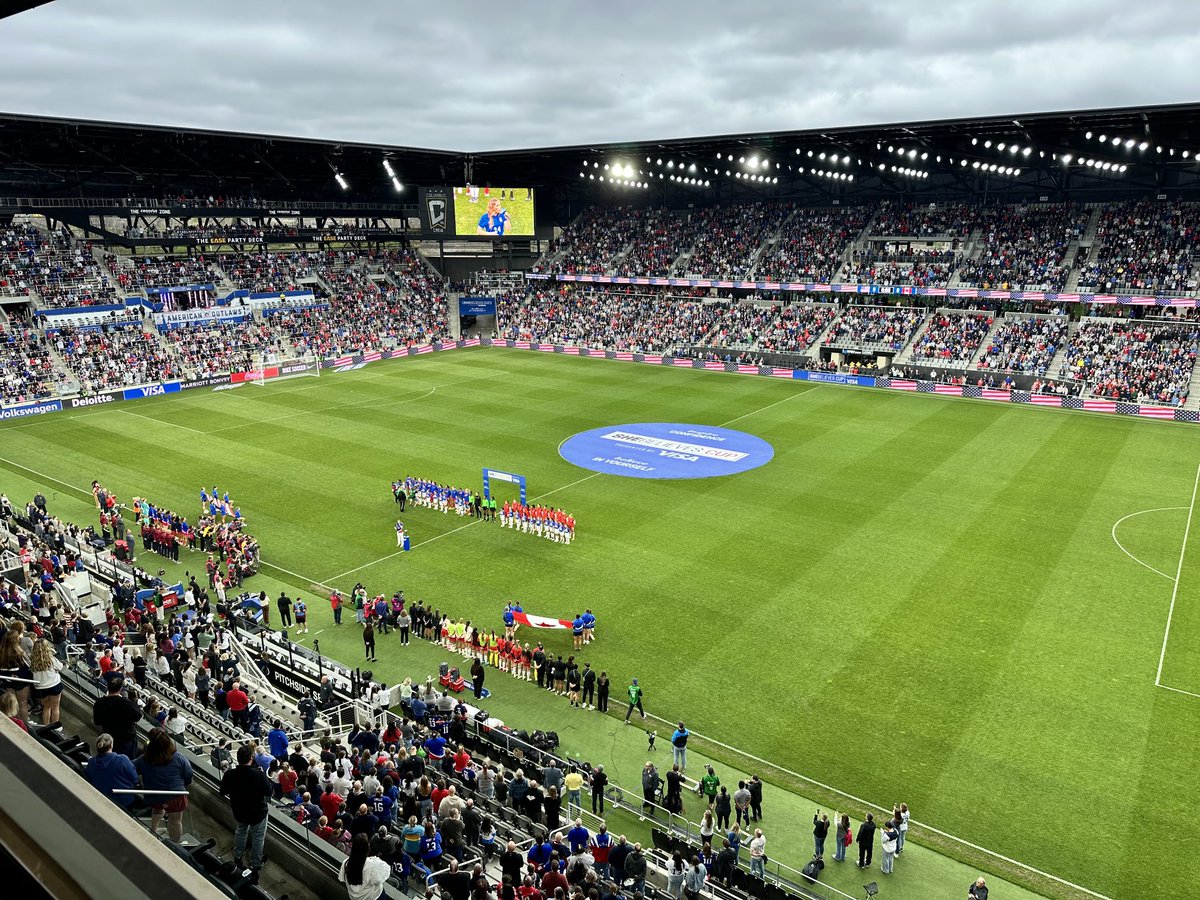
(666,450)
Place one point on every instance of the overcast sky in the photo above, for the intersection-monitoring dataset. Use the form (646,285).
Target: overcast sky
(461,75)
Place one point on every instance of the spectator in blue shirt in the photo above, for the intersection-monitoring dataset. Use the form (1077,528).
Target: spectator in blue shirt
(108,771)
(578,837)
(277,740)
(679,746)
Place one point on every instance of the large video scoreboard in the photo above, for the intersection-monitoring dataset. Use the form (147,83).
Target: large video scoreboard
(477,212)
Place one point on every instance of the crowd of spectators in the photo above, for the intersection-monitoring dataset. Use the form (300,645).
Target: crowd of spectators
(900,265)
(61,272)
(887,327)
(1133,361)
(657,240)
(1143,247)
(19,245)
(949,221)
(1025,247)
(811,244)
(588,245)
(143,272)
(113,357)
(1025,346)
(218,347)
(951,338)
(269,271)
(27,371)
(729,236)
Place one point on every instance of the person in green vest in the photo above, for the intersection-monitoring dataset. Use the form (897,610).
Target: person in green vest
(635,699)
(708,785)
(360,602)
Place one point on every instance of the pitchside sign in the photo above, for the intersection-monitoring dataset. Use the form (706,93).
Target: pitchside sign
(476,306)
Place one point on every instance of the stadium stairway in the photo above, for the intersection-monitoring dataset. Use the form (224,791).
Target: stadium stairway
(1193,400)
(772,240)
(984,344)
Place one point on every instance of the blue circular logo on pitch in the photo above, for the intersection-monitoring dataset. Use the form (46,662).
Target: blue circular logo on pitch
(666,450)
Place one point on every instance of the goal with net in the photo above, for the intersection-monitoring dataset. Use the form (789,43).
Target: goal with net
(271,367)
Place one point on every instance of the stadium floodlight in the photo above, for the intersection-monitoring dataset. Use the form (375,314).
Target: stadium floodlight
(707,183)
(648,158)
(975,165)
(1185,154)
(1124,167)
(850,177)
(753,162)
(1129,142)
(775,180)
(821,155)
(1158,149)
(974,142)
(726,173)
(387,167)
(591,177)
(1000,146)
(692,167)
(987,144)
(1102,139)
(881,167)
(341,180)
(924,156)
(1143,145)
(397,185)
(606,167)
(660,160)
(1027,151)
(742,159)
(1017,173)
(1066,158)
(1088,135)
(964,162)
(810,154)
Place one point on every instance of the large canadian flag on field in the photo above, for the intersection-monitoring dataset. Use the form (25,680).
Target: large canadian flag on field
(540,621)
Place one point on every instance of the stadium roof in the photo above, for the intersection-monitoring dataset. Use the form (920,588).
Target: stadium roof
(1080,153)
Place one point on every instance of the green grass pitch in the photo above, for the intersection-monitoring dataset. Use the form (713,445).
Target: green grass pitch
(918,598)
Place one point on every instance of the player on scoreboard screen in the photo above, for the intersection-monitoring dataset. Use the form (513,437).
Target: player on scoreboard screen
(494,222)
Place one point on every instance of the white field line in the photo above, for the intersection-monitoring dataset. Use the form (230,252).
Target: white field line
(130,412)
(786,771)
(768,406)
(1167,687)
(372,403)
(1178,572)
(1130,555)
(869,805)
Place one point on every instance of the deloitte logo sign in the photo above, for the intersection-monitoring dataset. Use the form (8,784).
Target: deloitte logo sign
(666,450)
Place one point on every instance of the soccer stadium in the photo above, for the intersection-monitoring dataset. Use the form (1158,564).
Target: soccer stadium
(561,522)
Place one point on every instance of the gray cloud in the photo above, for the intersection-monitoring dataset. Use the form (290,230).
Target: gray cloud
(467,76)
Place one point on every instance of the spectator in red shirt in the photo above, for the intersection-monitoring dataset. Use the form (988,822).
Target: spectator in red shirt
(238,701)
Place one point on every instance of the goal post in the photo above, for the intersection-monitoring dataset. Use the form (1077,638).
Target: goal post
(272,367)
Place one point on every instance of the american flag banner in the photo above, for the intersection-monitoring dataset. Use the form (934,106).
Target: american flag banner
(610,354)
(712,364)
(1187,415)
(952,390)
(765,370)
(902,384)
(975,391)
(1063,298)
(962,292)
(473,342)
(343,361)
(1125,408)
(1046,400)
(1022,396)
(781,373)
(1100,405)
(926,387)
(1157,412)
(993,394)
(747,370)
(698,363)
(655,360)
(520,345)
(571,351)
(725,284)
(544,348)
(373,356)
(626,357)
(1072,402)
(682,362)
(935,292)
(731,367)
(423,348)
(883,381)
